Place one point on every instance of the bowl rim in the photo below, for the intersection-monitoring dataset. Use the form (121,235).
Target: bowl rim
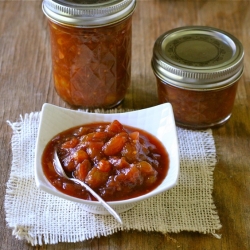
(43,183)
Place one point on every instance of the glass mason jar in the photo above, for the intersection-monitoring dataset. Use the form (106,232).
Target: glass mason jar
(197,70)
(91,50)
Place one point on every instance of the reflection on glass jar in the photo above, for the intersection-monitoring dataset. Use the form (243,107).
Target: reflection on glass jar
(197,70)
(92,59)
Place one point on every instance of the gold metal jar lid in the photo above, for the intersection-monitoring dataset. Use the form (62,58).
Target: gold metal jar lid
(88,13)
(198,57)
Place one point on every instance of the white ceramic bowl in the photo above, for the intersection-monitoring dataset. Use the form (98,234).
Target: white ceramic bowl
(158,120)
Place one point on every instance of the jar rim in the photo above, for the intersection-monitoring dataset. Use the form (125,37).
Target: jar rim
(197,57)
(88,13)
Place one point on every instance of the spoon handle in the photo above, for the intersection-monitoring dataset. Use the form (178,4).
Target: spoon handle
(109,208)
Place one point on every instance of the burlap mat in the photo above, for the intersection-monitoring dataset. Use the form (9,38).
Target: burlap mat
(41,218)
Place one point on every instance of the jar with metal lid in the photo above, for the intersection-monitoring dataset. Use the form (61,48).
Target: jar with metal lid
(197,70)
(91,50)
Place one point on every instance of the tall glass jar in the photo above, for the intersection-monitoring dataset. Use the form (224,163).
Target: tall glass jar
(198,69)
(91,50)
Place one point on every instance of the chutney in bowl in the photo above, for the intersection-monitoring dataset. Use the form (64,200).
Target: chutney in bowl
(155,123)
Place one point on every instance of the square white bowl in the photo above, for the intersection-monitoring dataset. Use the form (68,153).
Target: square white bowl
(157,120)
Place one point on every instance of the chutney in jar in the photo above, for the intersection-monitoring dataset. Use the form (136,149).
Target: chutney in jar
(91,53)
(118,162)
(197,70)
(198,109)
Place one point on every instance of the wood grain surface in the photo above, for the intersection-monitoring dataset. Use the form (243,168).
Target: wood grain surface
(26,83)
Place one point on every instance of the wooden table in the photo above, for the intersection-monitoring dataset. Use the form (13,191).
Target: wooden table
(26,83)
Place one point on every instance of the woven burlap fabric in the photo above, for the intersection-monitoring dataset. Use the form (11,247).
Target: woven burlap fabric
(41,218)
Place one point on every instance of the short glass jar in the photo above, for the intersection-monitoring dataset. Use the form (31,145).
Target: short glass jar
(91,50)
(197,70)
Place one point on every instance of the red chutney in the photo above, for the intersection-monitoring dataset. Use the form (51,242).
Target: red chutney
(118,162)
(92,66)
(198,109)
